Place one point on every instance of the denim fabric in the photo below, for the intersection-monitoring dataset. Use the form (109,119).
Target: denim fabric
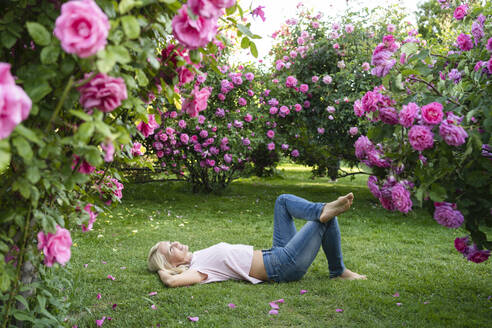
(293,251)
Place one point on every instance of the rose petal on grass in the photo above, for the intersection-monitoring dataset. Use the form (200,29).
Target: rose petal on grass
(111,277)
(231,305)
(99,323)
(104,262)
(398,304)
(426,302)
(194,319)
(86,265)
(274,305)
(274,312)
(98,296)
(279,301)
(109,318)
(339,310)
(123,268)
(114,306)
(396,294)
(153,307)
(303,291)
(152,293)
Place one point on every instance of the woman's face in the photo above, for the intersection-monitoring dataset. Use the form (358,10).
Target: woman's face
(175,252)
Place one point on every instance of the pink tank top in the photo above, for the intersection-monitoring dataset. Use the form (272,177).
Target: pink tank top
(223,262)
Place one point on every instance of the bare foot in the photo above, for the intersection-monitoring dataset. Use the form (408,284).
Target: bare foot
(330,210)
(349,275)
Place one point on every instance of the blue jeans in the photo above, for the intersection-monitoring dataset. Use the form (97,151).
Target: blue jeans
(293,251)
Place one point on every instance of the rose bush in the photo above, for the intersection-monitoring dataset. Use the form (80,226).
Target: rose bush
(431,127)
(75,79)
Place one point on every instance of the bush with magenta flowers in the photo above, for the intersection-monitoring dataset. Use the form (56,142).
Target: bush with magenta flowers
(75,77)
(321,67)
(430,126)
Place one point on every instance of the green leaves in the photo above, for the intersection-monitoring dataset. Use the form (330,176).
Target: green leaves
(4,154)
(252,48)
(23,147)
(39,33)
(130,26)
(49,54)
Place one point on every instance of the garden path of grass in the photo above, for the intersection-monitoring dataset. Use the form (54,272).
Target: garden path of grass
(410,255)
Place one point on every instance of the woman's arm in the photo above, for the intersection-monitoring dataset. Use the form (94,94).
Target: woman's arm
(187,278)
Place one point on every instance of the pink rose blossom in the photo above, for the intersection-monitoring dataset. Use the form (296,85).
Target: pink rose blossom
(184,138)
(447,215)
(476,255)
(321,130)
(373,186)
(147,129)
(401,198)
(453,135)
(108,149)
(408,114)
(56,247)
(388,115)
(198,102)
(136,149)
(258,12)
(421,137)
(92,218)
(271,146)
(353,131)
(366,66)
(314,79)
(432,113)
(193,33)
(464,42)
(82,28)
(297,107)
(249,76)
(349,28)
(390,28)
(489,45)
(270,134)
(15,105)
(327,79)
(304,88)
(460,12)
(461,244)
(84,167)
(290,82)
(242,102)
(209,8)
(295,153)
(358,110)
(102,92)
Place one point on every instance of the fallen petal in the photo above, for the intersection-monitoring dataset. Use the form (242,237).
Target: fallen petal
(274,305)
(426,302)
(104,262)
(398,304)
(86,265)
(339,310)
(99,323)
(231,305)
(109,318)
(111,277)
(123,268)
(152,293)
(303,291)
(280,301)
(98,296)
(396,295)
(274,312)
(153,307)
(194,319)
(114,306)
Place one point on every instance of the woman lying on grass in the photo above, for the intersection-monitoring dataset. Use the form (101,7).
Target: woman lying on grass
(288,260)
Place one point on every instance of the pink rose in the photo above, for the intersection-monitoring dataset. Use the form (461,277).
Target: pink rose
(82,28)
(400,197)
(15,105)
(102,92)
(108,149)
(421,137)
(56,247)
(366,66)
(304,88)
(460,12)
(295,153)
(198,103)
(453,135)
(353,130)
(193,33)
(92,218)
(432,113)
(447,215)
(147,129)
(271,146)
(84,166)
(136,149)
(464,42)
(204,8)
(327,79)
(270,134)
(408,113)
(290,82)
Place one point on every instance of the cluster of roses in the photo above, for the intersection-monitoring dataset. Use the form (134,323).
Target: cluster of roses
(382,56)
(196,32)
(471,252)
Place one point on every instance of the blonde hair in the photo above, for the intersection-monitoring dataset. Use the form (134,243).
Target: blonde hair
(157,261)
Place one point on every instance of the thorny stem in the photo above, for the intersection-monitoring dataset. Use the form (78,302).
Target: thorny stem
(60,103)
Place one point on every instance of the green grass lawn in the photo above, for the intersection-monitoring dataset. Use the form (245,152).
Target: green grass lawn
(410,255)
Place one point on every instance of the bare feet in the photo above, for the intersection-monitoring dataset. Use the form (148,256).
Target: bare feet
(349,275)
(330,210)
